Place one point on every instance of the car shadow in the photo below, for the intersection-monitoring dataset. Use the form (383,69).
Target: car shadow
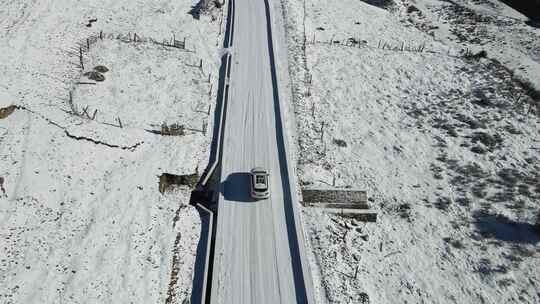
(236,187)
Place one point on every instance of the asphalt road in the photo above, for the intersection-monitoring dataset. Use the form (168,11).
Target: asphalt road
(258,257)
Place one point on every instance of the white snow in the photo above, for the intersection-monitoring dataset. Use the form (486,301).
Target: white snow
(446,147)
(500,30)
(82,220)
(146,85)
(5,99)
(455,179)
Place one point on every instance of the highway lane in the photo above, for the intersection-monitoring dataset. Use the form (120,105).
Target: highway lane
(257,257)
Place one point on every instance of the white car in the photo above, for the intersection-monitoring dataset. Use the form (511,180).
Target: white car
(260,188)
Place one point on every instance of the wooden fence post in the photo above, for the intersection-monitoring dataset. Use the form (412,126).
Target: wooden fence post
(81,58)
(71,105)
(85,111)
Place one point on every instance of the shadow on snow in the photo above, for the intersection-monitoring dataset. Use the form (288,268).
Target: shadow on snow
(504,229)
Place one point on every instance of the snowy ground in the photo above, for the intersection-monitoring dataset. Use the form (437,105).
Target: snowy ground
(82,220)
(446,146)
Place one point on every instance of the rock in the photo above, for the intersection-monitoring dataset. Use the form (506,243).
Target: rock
(472,122)
(5,112)
(96,76)
(101,69)
(363,298)
(481,54)
(478,150)
(412,9)
(452,132)
(340,142)
(488,140)
(481,99)
(512,130)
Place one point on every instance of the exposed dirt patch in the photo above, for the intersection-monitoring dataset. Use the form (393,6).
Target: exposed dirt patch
(5,112)
(166,180)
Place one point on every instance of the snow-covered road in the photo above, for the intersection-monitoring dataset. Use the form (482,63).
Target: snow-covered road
(259,253)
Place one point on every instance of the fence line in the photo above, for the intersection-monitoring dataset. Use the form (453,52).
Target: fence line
(384,45)
(86,44)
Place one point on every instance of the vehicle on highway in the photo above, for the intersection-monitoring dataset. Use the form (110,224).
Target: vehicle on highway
(259,184)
